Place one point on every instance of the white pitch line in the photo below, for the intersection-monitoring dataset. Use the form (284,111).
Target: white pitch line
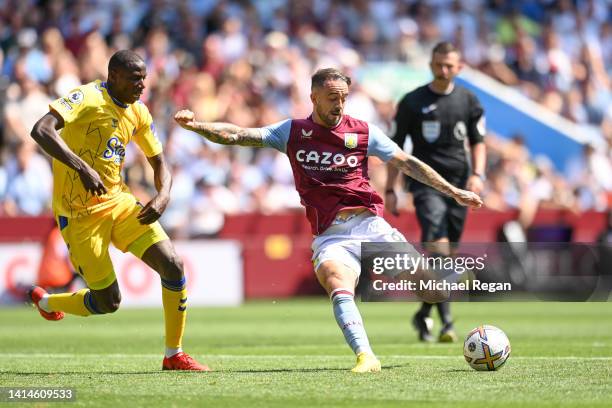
(288,356)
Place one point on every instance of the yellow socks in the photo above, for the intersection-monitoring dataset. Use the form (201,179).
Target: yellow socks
(78,303)
(174,299)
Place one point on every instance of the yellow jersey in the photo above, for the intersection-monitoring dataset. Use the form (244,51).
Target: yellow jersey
(98,127)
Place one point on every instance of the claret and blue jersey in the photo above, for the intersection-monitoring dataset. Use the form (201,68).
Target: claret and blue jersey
(330,165)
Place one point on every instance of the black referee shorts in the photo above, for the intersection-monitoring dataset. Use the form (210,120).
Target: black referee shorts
(439,216)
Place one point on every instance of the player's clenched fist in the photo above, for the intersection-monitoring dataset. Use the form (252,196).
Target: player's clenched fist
(91,181)
(185,118)
(468,198)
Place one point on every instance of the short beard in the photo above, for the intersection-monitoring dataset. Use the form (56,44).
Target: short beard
(328,120)
(332,123)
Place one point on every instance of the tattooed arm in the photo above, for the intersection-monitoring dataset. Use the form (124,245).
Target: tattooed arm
(223,133)
(422,172)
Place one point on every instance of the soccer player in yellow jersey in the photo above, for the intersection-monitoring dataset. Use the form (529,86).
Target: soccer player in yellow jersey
(94,207)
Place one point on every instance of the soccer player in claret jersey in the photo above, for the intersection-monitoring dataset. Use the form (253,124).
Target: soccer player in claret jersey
(328,154)
(94,207)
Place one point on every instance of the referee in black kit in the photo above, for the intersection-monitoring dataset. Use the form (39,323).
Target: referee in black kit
(441,119)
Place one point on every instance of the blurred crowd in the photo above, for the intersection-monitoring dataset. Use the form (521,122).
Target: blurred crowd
(249,63)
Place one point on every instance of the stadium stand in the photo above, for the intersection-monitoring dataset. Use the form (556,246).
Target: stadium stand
(248,62)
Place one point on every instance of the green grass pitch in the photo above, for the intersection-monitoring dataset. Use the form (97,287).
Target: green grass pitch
(290,353)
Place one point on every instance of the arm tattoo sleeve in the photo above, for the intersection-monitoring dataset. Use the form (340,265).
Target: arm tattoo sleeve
(228,134)
(422,172)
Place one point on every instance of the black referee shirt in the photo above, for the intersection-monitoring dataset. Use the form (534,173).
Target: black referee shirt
(438,125)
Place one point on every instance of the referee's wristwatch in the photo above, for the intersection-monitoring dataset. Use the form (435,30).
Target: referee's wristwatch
(479,175)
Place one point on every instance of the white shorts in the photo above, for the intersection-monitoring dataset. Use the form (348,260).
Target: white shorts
(342,242)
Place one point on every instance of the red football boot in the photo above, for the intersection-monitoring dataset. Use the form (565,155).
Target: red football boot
(35,294)
(183,361)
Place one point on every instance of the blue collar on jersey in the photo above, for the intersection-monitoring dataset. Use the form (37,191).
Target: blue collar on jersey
(117,101)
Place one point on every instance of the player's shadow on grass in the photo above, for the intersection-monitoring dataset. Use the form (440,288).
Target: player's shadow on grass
(271,370)
(35,373)
(284,370)
(305,370)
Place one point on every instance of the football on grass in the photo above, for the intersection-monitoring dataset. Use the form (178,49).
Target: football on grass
(486,348)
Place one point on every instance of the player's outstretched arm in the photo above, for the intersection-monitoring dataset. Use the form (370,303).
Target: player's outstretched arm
(223,133)
(45,134)
(422,172)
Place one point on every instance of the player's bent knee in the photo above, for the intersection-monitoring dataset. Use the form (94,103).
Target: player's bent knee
(332,275)
(107,302)
(111,305)
(326,272)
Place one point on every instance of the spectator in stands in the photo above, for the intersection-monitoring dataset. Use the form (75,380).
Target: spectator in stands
(30,182)
(26,100)
(246,62)
(3,184)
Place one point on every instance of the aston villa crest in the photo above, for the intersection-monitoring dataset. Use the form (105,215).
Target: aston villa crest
(350,140)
